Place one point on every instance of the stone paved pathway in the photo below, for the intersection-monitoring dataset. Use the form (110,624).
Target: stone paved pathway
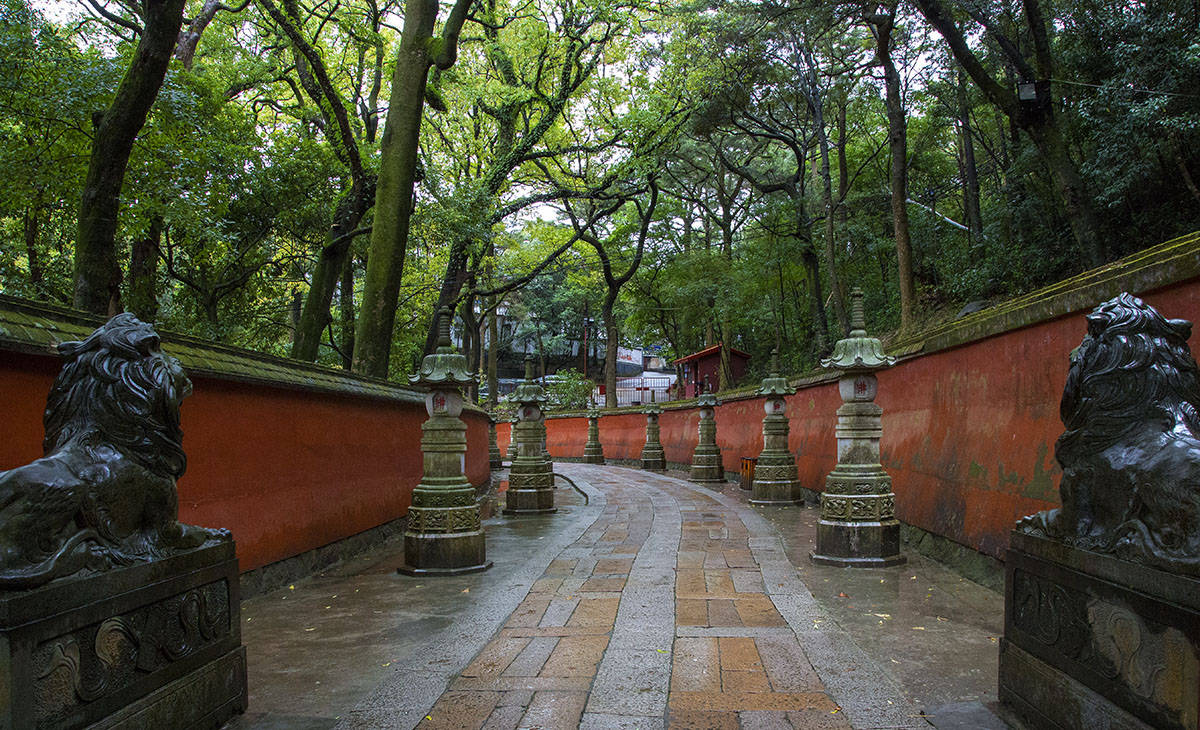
(658,611)
(659,604)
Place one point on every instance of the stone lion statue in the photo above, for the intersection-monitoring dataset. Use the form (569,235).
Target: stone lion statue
(1130,454)
(104,493)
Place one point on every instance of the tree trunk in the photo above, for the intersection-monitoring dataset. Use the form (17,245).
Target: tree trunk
(185,49)
(452,284)
(898,144)
(610,353)
(32,226)
(346,311)
(97,270)
(843,168)
(472,345)
(970,173)
(725,373)
(816,301)
(394,191)
(835,285)
(331,264)
(493,350)
(142,296)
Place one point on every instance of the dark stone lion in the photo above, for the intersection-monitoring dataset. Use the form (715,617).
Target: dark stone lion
(104,494)
(1130,454)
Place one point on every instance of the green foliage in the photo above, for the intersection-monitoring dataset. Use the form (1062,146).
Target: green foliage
(578,103)
(568,389)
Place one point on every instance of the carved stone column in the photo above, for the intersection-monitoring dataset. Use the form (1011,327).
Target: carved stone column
(495,459)
(775,473)
(593,450)
(653,458)
(444,535)
(531,477)
(707,467)
(858,526)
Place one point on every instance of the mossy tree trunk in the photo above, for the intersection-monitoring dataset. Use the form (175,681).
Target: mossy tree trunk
(97,264)
(418,51)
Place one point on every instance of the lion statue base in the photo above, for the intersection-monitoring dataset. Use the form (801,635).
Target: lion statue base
(104,494)
(1130,455)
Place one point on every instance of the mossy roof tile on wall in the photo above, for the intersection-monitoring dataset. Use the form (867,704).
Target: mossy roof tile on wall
(32,327)
(1175,261)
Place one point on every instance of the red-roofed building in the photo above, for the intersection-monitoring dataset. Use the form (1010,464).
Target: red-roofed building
(708,362)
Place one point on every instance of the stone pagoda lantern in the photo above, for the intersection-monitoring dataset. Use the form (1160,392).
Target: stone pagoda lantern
(512,440)
(495,458)
(593,450)
(775,473)
(858,525)
(444,535)
(707,467)
(653,458)
(531,477)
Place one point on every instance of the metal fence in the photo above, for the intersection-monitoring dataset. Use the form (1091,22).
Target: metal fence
(636,391)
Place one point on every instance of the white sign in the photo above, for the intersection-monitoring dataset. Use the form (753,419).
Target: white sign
(631,356)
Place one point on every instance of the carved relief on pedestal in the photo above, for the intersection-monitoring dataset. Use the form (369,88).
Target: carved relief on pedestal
(95,661)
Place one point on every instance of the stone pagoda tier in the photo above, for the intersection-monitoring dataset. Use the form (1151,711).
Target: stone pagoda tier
(707,467)
(775,473)
(531,477)
(495,458)
(593,450)
(653,457)
(858,526)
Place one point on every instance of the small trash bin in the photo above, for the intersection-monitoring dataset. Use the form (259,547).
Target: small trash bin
(747,473)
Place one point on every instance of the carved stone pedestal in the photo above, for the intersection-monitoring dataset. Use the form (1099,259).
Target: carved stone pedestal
(531,477)
(775,470)
(153,645)
(1092,642)
(495,459)
(653,457)
(593,451)
(444,535)
(707,467)
(858,526)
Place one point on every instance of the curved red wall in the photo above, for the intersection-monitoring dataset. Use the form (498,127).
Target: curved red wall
(968,432)
(286,470)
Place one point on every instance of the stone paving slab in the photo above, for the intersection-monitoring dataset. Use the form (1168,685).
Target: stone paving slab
(660,605)
(692,631)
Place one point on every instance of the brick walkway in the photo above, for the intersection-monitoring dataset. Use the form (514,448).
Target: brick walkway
(658,604)
(659,610)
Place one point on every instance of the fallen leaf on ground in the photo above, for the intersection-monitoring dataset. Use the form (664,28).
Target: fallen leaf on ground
(842,595)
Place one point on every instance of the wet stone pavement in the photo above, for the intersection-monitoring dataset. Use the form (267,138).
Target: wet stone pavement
(658,604)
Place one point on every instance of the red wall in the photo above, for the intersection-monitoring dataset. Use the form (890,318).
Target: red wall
(968,432)
(286,470)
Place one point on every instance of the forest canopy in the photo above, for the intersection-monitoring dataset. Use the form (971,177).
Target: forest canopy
(314,178)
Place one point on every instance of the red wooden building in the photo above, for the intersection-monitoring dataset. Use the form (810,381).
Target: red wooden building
(708,362)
